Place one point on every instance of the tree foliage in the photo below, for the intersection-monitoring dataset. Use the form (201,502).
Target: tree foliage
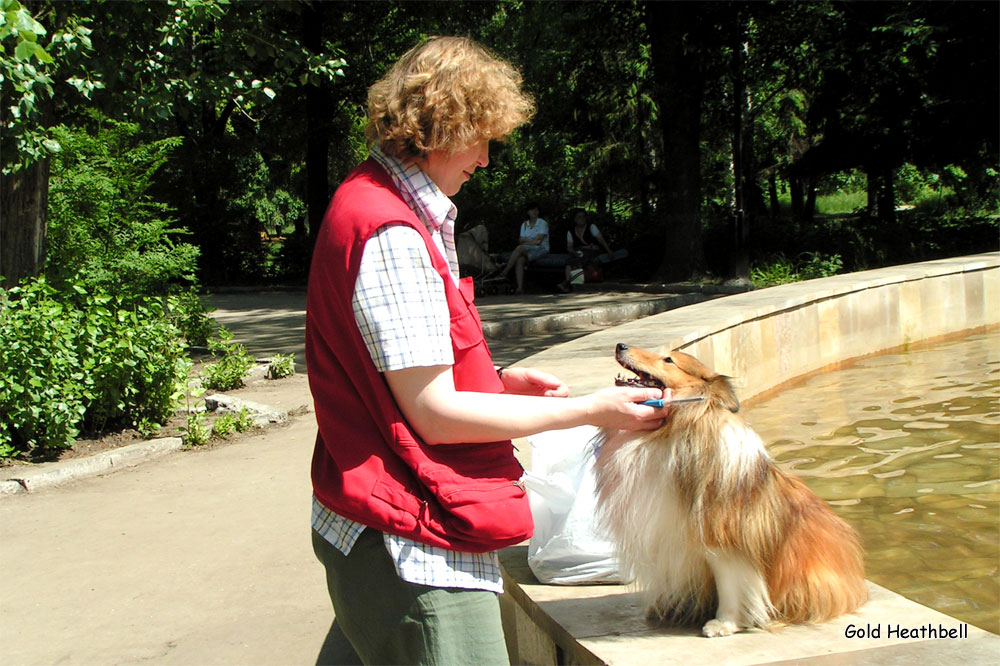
(662,118)
(106,230)
(167,141)
(28,79)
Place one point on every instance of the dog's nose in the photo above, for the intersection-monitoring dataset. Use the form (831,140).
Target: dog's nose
(622,347)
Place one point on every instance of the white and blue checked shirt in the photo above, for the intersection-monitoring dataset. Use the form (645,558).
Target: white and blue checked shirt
(401,310)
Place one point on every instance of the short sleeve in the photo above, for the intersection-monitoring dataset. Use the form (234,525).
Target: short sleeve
(399,302)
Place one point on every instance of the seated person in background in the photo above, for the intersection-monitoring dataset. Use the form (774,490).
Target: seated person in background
(533,243)
(583,243)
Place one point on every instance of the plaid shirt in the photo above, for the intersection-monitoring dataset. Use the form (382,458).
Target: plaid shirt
(401,310)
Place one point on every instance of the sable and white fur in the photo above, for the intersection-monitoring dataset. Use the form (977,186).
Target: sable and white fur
(706,522)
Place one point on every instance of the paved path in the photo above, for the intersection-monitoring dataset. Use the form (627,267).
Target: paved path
(201,557)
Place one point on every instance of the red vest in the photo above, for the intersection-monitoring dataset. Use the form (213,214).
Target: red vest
(369,465)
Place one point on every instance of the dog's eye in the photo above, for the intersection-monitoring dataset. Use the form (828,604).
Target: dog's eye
(667,359)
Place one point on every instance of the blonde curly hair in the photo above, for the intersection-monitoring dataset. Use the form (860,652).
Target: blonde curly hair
(445,93)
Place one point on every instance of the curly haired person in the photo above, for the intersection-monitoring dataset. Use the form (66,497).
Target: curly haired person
(415,483)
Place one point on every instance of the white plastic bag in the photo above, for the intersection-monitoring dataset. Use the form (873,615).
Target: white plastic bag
(567,548)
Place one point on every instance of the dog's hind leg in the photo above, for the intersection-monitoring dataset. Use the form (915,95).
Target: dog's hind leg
(743,598)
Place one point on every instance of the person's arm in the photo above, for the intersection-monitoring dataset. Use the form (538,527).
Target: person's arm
(441,415)
(522,239)
(543,231)
(531,240)
(528,381)
(569,242)
(596,233)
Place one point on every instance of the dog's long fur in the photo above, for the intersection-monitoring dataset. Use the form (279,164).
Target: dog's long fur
(706,522)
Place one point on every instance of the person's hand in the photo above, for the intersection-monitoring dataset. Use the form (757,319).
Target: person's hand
(621,407)
(526,381)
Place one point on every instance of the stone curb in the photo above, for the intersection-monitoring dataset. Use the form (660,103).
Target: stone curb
(55,474)
(665,288)
(79,468)
(263,415)
(599,315)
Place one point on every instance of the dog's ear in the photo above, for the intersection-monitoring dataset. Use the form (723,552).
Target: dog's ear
(691,366)
(724,393)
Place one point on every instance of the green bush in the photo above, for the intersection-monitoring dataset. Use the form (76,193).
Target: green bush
(136,359)
(224,426)
(104,228)
(232,422)
(82,360)
(779,270)
(228,372)
(819,265)
(192,317)
(244,420)
(282,365)
(44,393)
(195,432)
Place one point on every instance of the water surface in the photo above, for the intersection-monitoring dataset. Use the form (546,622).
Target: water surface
(906,447)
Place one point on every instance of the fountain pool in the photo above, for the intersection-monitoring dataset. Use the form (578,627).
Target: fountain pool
(906,447)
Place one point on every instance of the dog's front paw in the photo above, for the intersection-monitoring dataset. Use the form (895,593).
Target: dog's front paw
(717,627)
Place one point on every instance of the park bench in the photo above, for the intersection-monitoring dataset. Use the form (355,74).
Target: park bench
(552,267)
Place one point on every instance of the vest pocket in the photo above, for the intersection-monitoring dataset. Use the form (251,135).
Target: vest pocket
(479,489)
(465,331)
(409,507)
(499,491)
(497,512)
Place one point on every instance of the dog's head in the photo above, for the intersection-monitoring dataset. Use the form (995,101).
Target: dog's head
(685,375)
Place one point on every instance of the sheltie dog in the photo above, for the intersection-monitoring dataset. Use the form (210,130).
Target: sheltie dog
(706,522)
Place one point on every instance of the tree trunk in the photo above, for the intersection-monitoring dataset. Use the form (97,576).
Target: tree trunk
(795,192)
(24,198)
(318,115)
(678,91)
(772,194)
(881,194)
(600,195)
(871,190)
(886,196)
(809,210)
(739,229)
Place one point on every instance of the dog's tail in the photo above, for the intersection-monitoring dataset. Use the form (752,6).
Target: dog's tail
(818,571)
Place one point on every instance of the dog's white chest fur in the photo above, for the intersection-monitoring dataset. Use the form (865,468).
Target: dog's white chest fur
(654,512)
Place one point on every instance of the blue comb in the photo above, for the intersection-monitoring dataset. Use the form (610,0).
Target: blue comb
(661,403)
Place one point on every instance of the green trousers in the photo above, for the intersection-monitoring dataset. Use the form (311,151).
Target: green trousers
(381,619)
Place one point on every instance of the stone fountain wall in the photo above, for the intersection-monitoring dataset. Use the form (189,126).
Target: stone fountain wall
(768,337)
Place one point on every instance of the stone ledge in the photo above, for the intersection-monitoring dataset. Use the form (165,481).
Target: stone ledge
(599,315)
(262,414)
(764,338)
(770,336)
(604,624)
(58,473)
